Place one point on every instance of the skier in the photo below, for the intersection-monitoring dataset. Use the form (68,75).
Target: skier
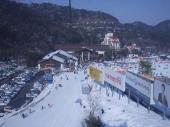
(50,105)
(81,103)
(23,115)
(102,110)
(56,87)
(42,107)
(30,110)
(66,77)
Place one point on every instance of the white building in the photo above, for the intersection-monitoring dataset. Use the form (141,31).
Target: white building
(111,40)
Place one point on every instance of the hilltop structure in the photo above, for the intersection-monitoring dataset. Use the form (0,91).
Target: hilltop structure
(111,40)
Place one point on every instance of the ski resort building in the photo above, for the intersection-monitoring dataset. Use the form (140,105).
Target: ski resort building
(58,60)
(86,54)
(111,40)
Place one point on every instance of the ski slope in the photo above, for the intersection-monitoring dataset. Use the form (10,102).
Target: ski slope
(63,111)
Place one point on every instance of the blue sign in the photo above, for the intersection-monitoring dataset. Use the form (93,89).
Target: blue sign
(49,78)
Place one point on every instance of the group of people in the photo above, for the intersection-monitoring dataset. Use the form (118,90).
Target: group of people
(24,115)
(49,106)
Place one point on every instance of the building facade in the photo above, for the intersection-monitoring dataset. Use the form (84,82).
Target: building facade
(111,40)
(58,61)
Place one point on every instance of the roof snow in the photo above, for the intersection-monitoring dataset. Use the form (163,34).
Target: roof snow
(67,55)
(59,59)
(48,56)
(54,56)
(88,48)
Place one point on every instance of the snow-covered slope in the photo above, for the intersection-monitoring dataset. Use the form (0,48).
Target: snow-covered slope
(62,112)
(118,113)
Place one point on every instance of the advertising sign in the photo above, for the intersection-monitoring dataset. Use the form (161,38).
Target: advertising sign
(96,74)
(49,78)
(114,78)
(142,84)
(162,93)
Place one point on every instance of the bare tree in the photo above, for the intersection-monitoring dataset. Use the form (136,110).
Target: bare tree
(93,119)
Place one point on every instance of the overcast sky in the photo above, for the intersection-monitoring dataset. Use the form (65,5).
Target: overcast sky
(147,11)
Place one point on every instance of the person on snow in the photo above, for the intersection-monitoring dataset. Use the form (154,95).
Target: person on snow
(56,87)
(42,107)
(102,110)
(66,77)
(81,103)
(50,105)
(30,110)
(23,115)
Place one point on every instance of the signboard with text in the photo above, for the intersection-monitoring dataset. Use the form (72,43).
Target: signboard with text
(140,83)
(116,79)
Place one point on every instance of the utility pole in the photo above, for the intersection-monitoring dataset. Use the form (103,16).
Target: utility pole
(70,21)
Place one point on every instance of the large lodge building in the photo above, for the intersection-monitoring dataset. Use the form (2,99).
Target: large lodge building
(69,56)
(57,60)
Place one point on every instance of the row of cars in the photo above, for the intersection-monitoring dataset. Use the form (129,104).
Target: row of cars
(10,89)
(7,69)
(35,90)
(39,85)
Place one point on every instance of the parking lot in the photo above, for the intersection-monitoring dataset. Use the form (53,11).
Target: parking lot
(15,84)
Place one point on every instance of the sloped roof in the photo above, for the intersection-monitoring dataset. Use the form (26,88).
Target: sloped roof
(86,49)
(56,58)
(67,55)
(50,55)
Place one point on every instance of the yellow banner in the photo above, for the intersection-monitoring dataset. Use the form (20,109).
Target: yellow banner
(95,74)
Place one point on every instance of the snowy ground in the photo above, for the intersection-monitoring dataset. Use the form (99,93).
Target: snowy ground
(65,112)
(118,113)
